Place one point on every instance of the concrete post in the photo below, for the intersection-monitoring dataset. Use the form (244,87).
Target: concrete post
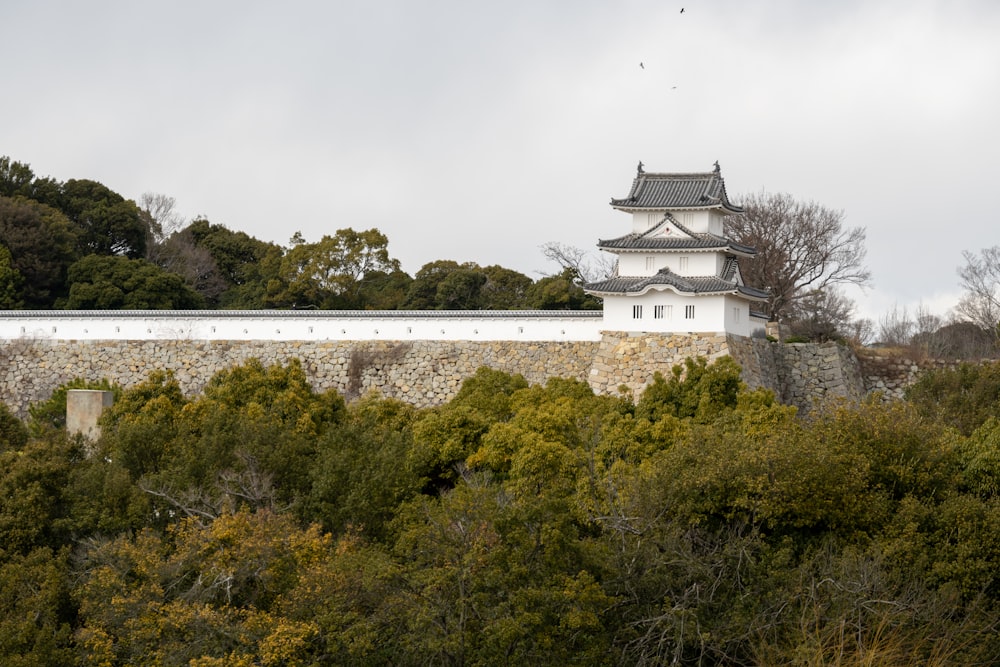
(84,408)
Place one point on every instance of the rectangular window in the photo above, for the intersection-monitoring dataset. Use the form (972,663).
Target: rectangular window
(688,312)
(652,219)
(657,312)
(650,263)
(683,265)
(637,312)
(736,314)
(670,313)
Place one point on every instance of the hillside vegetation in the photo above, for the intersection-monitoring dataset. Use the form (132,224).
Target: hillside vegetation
(78,244)
(262,523)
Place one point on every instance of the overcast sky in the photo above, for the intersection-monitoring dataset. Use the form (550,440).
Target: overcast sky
(478,131)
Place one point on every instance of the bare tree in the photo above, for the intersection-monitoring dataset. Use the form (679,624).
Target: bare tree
(896,327)
(981,280)
(160,215)
(180,254)
(802,248)
(957,340)
(822,315)
(587,267)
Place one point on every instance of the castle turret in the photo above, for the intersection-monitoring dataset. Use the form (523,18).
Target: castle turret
(677,272)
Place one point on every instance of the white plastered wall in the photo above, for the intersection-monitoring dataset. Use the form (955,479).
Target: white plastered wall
(709,313)
(697,264)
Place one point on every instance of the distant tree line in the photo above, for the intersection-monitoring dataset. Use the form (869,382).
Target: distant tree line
(79,245)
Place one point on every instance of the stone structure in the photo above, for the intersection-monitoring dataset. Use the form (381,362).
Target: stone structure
(83,411)
(890,372)
(800,374)
(429,372)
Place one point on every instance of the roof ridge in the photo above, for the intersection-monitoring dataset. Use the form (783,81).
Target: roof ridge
(681,174)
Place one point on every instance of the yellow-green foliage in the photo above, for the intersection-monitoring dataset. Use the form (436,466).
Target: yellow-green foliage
(261,523)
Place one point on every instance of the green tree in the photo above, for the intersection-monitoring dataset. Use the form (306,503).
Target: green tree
(108,223)
(460,289)
(103,282)
(361,473)
(18,180)
(246,264)
(42,245)
(11,282)
(505,289)
(979,456)
(444,437)
(13,432)
(250,439)
(448,285)
(384,291)
(963,397)
(694,389)
(34,509)
(423,291)
(329,273)
(352,595)
(489,581)
(15,178)
(560,292)
(35,609)
(140,427)
(207,593)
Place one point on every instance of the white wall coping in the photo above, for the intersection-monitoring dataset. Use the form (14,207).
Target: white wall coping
(299,325)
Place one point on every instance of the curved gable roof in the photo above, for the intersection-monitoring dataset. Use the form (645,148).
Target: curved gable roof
(672,235)
(681,284)
(676,191)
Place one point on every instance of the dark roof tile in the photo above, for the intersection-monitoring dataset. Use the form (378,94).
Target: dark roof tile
(672,191)
(666,277)
(694,242)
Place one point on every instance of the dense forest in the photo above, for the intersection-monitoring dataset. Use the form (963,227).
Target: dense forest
(700,523)
(79,245)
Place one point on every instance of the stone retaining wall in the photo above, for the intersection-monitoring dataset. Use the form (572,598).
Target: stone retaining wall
(630,360)
(890,372)
(429,372)
(801,374)
(419,372)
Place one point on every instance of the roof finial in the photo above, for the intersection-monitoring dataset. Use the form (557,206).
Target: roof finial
(717,168)
(639,168)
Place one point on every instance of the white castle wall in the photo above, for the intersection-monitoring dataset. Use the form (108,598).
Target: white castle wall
(125,347)
(698,263)
(280,325)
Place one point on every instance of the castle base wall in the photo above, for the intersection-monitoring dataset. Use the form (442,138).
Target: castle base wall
(429,372)
(422,373)
(630,360)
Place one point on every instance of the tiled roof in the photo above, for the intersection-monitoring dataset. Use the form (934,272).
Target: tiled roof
(659,238)
(667,278)
(672,191)
(693,242)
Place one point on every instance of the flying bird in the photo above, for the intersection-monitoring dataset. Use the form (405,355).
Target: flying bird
(641,66)
(682,10)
